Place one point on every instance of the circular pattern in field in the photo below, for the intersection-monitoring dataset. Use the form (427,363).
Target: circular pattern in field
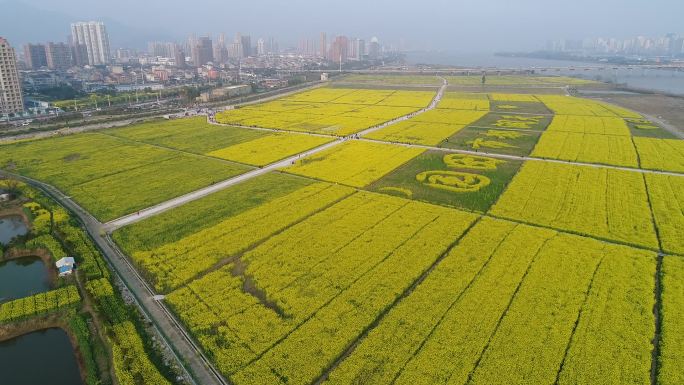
(471,161)
(453,180)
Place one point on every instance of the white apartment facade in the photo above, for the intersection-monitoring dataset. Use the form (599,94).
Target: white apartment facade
(11,98)
(93,35)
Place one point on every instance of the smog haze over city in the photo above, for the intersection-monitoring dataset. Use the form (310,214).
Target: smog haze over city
(448,25)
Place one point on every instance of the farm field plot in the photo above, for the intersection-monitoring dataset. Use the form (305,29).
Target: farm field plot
(355,163)
(427,132)
(604,203)
(269,149)
(206,212)
(512,80)
(661,154)
(589,125)
(285,309)
(494,140)
(334,111)
(464,181)
(522,107)
(666,194)
(111,177)
(173,264)
(645,128)
(568,105)
(672,337)
(464,101)
(587,148)
(513,121)
(193,134)
(464,322)
(516,98)
(399,80)
(243,145)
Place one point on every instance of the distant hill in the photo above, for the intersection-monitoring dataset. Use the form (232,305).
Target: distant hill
(21,23)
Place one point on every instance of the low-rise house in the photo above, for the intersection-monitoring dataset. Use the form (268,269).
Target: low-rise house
(65,266)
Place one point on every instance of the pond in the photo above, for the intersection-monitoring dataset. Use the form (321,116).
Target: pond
(10,227)
(42,357)
(23,277)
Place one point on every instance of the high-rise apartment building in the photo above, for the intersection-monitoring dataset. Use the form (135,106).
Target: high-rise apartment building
(323,45)
(220,50)
(360,49)
(11,98)
(261,47)
(272,45)
(58,56)
(93,35)
(178,56)
(246,42)
(160,48)
(34,55)
(374,48)
(203,51)
(339,49)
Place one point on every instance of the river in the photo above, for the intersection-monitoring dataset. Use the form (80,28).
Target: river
(647,79)
(42,357)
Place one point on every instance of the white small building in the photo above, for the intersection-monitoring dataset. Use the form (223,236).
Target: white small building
(4,197)
(324,77)
(65,266)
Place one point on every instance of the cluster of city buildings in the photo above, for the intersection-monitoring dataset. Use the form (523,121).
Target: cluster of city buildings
(87,62)
(671,45)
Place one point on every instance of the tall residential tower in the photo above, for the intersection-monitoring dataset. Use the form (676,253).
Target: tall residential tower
(11,99)
(93,35)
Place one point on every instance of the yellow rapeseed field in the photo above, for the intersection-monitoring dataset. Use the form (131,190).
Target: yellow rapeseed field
(661,154)
(355,163)
(269,149)
(605,203)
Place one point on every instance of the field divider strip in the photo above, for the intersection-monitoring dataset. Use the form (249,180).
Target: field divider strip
(578,319)
(238,255)
(657,313)
(326,303)
(332,253)
(505,312)
(189,153)
(453,303)
(354,344)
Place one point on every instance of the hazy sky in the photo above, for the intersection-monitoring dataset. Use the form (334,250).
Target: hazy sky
(454,25)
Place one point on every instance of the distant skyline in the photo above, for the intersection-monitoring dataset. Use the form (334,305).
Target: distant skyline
(449,25)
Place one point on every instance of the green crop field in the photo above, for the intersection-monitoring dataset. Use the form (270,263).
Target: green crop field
(111,177)
(500,238)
